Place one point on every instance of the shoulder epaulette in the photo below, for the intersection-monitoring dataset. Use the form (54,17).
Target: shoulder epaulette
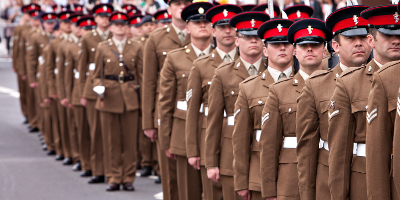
(319,73)
(388,65)
(283,80)
(103,43)
(351,70)
(250,78)
(177,50)
(224,64)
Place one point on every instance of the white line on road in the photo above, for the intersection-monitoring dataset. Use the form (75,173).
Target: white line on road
(9,92)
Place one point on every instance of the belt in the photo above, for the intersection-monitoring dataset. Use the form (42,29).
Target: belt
(290,142)
(120,79)
(258,135)
(361,150)
(323,144)
(355,148)
(201,108)
(231,120)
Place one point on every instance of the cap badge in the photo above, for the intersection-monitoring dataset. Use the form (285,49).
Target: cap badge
(253,23)
(310,30)
(32,6)
(279,28)
(49,16)
(88,21)
(129,7)
(105,8)
(201,10)
(267,11)
(166,15)
(225,12)
(298,13)
(67,15)
(138,19)
(355,19)
(396,16)
(79,17)
(152,19)
(119,16)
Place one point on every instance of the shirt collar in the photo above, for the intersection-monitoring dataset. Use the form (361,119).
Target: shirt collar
(231,53)
(177,30)
(103,32)
(377,63)
(66,36)
(76,39)
(117,42)
(275,73)
(256,64)
(198,51)
(303,74)
(343,67)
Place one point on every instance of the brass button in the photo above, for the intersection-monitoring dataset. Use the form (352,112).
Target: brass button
(209,82)
(164,53)
(108,60)
(183,75)
(260,102)
(120,64)
(232,92)
(93,49)
(290,109)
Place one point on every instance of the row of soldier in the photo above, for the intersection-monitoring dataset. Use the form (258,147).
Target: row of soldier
(230,124)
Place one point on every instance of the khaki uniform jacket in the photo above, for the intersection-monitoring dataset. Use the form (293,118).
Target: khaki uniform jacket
(24,37)
(51,60)
(382,103)
(89,42)
(222,96)
(41,76)
(118,97)
(279,122)
(60,65)
(160,42)
(173,103)
(72,86)
(34,53)
(347,125)
(311,126)
(199,83)
(245,138)
(17,34)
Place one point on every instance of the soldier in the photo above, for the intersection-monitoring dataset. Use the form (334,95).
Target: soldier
(72,92)
(99,158)
(264,8)
(159,43)
(198,84)
(222,96)
(350,41)
(298,11)
(162,18)
(173,99)
(119,74)
(384,39)
(309,37)
(135,22)
(348,110)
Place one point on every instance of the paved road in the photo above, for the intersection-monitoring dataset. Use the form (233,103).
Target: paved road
(27,173)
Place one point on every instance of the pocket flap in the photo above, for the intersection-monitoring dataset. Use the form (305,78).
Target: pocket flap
(287,108)
(260,101)
(231,91)
(324,105)
(392,104)
(359,106)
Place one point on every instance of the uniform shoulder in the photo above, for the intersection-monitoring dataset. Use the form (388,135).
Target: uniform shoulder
(202,58)
(103,43)
(225,65)
(283,80)
(351,70)
(389,65)
(176,51)
(249,79)
(135,41)
(159,31)
(319,73)
(89,34)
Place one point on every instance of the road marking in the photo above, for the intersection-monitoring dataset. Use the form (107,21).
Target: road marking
(9,92)
(158,195)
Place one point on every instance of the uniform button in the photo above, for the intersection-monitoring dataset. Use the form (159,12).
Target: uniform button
(296,81)
(120,64)
(209,82)
(259,102)
(42,45)
(263,75)
(93,49)
(164,53)
(183,75)
(108,60)
(366,107)
(290,109)
(121,56)
(337,75)
(233,92)
(370,68)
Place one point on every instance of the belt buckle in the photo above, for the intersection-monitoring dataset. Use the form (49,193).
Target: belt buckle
(121,77)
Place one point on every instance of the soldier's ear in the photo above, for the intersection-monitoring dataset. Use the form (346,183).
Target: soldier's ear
(265,51)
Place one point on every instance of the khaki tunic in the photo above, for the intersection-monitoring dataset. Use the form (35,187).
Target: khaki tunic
(311,127)
(381,128)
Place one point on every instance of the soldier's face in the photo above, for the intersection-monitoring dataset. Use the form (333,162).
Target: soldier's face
(148,27)
(310,55)
(76,30)
(224,34)
(161,24)
(279,54)
(386,47)
(250,45)
(136,31)
(102,21)
(65,27)
(48,26)
(175,9)
(119,29)
(35,22)
(353,50)
(199,29)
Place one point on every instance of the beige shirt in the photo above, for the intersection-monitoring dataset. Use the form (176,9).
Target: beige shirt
(275,73)
(303,74)
(76,39)
(177,30)
(101,33)
(120,44)
(66,36)
(231,53)
(343,67)
(256,64)
(379,64)
(198,51)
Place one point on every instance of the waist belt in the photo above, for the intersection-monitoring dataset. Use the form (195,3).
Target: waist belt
(361,150)
(258,135)
(323,144)
(290,142)
(120,79)
(201,108)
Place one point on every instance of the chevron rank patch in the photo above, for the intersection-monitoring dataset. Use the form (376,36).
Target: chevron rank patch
(398,106)
(334,113)
(372,115)
(264,118)
(189,94)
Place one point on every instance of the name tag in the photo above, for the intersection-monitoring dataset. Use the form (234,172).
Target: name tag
(92,66)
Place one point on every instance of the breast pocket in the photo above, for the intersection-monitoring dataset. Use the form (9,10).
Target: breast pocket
(324,107)
(230,96)
(288,116)
(182,81)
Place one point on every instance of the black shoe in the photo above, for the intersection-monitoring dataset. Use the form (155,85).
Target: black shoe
(138,166)
(146,172)
(158,181)
(68,161)
(44,147)
(86,173)
(112,187)
(26,121)
(96,179)
(59,157)
(128,187)
(77,166)
(51,153)
(33,130)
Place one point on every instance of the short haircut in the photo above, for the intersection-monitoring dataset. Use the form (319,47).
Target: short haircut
(337,38)
(373,32)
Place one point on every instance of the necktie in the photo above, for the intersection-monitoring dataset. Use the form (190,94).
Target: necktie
(201,54)
(104,36)
(227,58)
(181,36)
(282,76)
(252,70)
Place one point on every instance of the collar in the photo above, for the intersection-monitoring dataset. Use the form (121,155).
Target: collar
(177,30)
(256,64)
(101,32)
(66,36)
(377,63)
(198,51)
(303,74)
(343,67)
(117,42)
(76,39)
(275,73)
(222,53)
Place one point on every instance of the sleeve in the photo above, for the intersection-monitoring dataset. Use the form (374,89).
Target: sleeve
(44,90)
(22,52)
(193,97)
(32,60)
(378,142)
(15,38)
(308,136)
(241,141)
(61,71)
(216,106)
(340,137)
(271,143)
(150,77)
(50,66)
(139,65)
(396,143)
(69,74)
(82,66)
(167,102)
(98,61)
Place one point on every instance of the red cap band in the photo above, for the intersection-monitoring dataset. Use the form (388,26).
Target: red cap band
(384,19)
(87,23)
(48,17)
(249,24)
(275,32)
(221,16)
(137,20)
(75,19)
(118,17)
(350,22)
(306,32)
(104,9)
(164,16)
(64,16)
(34,14)
(297,15)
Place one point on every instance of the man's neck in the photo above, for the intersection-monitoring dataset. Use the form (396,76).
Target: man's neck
(180,24)
(379,58)
(280,67)
(119,37)
(310,69)
(225,48)
(103,29)
(250,59)
(200,44)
